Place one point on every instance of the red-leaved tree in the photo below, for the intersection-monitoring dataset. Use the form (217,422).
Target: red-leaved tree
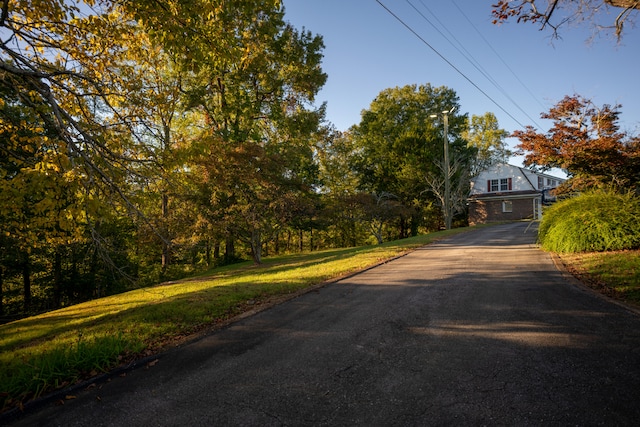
(585,141)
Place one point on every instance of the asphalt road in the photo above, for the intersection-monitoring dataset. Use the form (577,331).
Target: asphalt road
(479,329)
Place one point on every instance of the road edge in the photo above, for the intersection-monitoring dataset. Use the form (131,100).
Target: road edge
(573,280)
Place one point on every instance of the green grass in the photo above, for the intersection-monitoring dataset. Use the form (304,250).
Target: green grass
(53,350)
(616,274)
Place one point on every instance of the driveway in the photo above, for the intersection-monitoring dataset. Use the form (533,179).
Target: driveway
(478,329)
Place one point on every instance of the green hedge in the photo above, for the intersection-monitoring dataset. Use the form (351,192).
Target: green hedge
(592,222)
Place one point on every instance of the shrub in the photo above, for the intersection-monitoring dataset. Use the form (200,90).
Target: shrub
(592,222)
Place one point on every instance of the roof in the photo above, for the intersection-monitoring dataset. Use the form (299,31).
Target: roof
(523,180)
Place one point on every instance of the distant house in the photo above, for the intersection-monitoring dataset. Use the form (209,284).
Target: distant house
(506,193)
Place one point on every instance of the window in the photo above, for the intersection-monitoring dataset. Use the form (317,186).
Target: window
(540,183)
(502,184)
(507,206)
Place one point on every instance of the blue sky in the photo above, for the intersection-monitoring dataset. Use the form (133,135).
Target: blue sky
(368,50)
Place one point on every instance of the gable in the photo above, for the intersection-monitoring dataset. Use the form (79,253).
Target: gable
(504,177)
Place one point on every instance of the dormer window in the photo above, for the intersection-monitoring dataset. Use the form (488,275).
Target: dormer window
(502,184)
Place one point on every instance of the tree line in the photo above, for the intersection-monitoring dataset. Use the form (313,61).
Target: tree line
(144,141)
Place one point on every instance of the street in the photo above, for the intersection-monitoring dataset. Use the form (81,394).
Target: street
(477,329)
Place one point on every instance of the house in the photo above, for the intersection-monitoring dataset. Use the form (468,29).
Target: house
(505,192)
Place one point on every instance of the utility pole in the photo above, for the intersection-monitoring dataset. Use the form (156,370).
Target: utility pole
(447,210)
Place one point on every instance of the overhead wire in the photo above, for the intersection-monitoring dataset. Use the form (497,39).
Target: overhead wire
(469,57)
(426,43)
(513,73)
(466,53)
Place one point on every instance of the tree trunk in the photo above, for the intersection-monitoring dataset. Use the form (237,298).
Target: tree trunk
(26,282)
(207,252)
(256,247)
(166,250)
(216,250)
(354,235)
(74,276)
(96,291)
(376,230)
(1,283)
(300,241)
(229,249)
(57,279)
(414,224)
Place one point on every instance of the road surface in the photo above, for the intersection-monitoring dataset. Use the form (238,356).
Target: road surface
(478,329)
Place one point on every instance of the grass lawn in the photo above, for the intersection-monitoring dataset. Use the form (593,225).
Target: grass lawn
(59,348)
(616,274)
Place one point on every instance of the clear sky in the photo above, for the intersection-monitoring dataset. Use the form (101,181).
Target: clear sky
(522,69)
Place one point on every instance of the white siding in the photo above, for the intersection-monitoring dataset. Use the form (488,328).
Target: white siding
(522,179)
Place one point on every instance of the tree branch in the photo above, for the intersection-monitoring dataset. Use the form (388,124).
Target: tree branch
(5,12)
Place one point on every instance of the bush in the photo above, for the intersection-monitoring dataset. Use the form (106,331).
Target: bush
(592,222)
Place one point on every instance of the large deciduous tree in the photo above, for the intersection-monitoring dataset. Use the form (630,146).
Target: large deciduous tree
(259,123)
(66,66)
(585,141)
(400,146)
(485,136)
(69,151)
(108,105)
(555,13)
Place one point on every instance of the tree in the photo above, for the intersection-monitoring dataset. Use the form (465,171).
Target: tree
(163,121)
(379,209)
(69,153)
(66,68)
(486,137)
(339,186)
(555,13)
(399,145)
(459,174)
(99,100)
(259,125)
(336,152)
(77,67)
(587,143)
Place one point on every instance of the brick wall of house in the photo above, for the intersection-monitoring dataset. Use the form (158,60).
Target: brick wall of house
(483,211)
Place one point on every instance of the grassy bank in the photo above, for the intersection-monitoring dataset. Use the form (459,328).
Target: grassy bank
(53,350)
(616,274)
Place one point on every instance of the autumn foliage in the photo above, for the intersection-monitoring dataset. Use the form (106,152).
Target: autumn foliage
(119,121)
(585,141)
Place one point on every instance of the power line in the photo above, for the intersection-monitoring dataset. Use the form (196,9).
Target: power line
(533,96)
(448,62)
(469,57)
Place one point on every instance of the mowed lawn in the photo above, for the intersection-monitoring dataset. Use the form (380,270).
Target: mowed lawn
(56,349)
